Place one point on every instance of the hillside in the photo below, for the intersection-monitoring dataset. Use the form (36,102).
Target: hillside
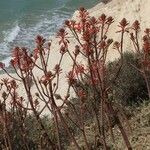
(130,9)
(140,129)
(91,99)
(139,135)
(118,9)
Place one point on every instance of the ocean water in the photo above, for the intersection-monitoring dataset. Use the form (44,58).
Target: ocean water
(22,20)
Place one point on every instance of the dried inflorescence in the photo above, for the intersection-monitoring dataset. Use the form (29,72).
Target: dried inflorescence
(2,65)
(142,51)
(71,78)
(93,45)
(136,25)
(91,35)
(21,59)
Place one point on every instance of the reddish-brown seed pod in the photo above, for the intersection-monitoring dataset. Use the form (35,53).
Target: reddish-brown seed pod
(62,49)
(79,69)
(123,23)
(132,37)
(83,14)
(87,49)
(57,68)
(82,9)
(109,41)
(136,25)
(71,78)
(61,31)
(4,95)
(2,65)
(48,75)
(93,20)
(146,46)
(16,52)
(102,18)
(40,40)
(67,23)
(110,20)
(145,38)
(147,31)
(12,62)
(37,94)
(116,45)
(102,44)
(77,50)
(13,84)
(49,44)
(36,102)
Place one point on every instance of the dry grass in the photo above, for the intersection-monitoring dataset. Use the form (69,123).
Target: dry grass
(139,135)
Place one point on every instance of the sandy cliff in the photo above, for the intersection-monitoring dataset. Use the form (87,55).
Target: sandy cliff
(118,9)
(131,10)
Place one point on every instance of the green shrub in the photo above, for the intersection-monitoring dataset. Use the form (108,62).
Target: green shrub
(130,87)
(32,129)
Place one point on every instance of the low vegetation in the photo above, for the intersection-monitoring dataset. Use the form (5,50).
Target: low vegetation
(102,89)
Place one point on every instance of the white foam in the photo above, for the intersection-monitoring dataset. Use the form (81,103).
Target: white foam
(20,35)
(6,61)
(11,34)
(4,48)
